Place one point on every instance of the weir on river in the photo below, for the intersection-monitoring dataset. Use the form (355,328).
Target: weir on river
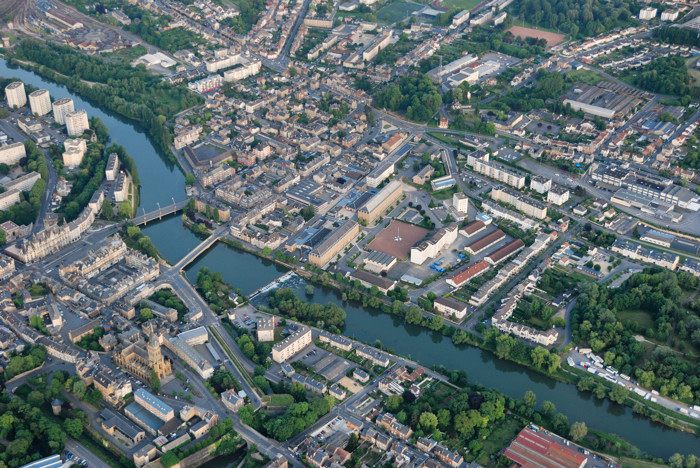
(162,183)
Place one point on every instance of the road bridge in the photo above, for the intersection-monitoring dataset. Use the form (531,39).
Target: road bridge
(159,213)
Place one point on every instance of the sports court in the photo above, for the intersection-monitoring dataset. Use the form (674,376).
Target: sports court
(397,239)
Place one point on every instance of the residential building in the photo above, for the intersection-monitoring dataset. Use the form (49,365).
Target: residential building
(496,257)
(310,384)
(292,344)
(12,153)
(460,202)
(450,308)
(375,357)
(75,149)
(424,175)
(61,108)
(540,184)
(232,400)
(40,102)
(76,122)
(15,94)
(112,168)
(389,422)
(498,211)
(472,271)
(334,243)
(647,13)
(498,172)
(442,239)
(558,195)
(669,15)
(266,329)
(380,202)
(379,174)
(336,341)
(527,205)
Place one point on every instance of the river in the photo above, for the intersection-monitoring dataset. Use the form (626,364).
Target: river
(248,272)
(160,181)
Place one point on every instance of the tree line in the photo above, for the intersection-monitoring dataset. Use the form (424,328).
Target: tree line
(329,316)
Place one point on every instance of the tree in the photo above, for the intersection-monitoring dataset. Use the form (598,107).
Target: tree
(530,399)
(73,427)
(189,179)
(125,209)
(428,421)
(145,314)
(308,212)
(107,210)
(578,431)
(393,403)
(539,355)
(155,381)
(548,408)
(35,399)
(3,237)
(436,323)
(79,389)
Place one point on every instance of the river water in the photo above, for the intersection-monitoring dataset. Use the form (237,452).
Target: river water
(160,183)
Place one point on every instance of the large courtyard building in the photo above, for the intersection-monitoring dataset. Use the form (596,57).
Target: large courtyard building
(377,205)
(334,243)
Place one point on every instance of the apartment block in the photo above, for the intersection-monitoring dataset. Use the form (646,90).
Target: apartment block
(12,153)
(527,205)
(40,102)
(76,122)
(15,94)
(61,107)
(291,345)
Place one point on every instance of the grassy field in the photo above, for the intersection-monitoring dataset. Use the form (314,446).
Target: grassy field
(692,71)
(632,462)
(444,194)
(459,4)
(638,316)
(396,11)
(279,399)
(499,438)
(585,76)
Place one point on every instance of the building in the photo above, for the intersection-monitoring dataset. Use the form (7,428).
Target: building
(498,211)
(336,341)
(310,384)
(647,14)
(53,461)
(191,356)
(669,15)
(61,108)
(486,242)
(94,262)
(375,357)
(368,280)
(232,400)
(154,405)
(12,153)
(7,267)
(460,202)
(292,344)
(536,449)
(540,184)
(496,257)
(472,229)
(450,308)
(442,239)
(379,174)
(40,102)
(139,362)
(76,122)
(376,262)
(112,168)
(117,426)
(637,252)
(527,205)
(558,195)
(334,243)
(459,19)
(498,172)
(266,329)
(472,271)
(75,149)
(15,94)
(424,175)
(389,422)
(380,202)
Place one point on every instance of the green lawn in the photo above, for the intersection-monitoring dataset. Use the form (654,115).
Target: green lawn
(444,194)
(459,4)
(396,11)
(279,399)
(642,318)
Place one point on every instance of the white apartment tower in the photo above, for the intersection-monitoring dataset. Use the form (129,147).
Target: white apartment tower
(76,122)
(61,107)
(40,102)
(16,97)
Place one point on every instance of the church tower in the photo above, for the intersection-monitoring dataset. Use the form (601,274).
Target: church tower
(155,357)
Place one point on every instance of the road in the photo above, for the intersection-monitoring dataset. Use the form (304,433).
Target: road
(81,451)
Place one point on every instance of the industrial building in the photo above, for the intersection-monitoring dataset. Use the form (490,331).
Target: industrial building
(485,242)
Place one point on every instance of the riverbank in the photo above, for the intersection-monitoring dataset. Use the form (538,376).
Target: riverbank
(48,61)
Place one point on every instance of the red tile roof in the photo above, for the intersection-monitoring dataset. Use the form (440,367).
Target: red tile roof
(536,450)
